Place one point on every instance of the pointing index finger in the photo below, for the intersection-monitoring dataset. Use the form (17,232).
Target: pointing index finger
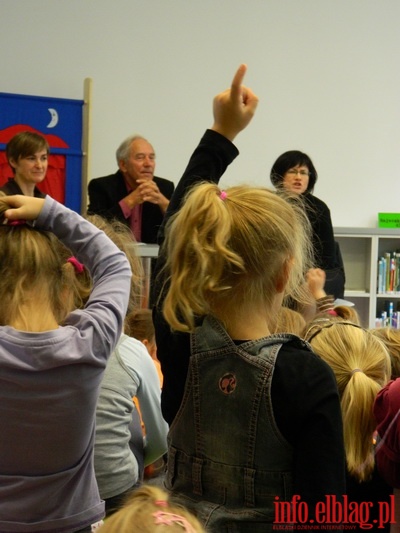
(237,79)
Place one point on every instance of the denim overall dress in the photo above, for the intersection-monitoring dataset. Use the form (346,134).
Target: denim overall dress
(227,460)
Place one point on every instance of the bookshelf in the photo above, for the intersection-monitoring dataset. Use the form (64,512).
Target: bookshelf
(361,249)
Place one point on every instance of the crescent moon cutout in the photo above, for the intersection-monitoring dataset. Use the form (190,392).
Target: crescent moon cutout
(54,118)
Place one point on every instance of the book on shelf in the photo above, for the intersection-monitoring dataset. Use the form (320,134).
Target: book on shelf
(389,273)
(389,317)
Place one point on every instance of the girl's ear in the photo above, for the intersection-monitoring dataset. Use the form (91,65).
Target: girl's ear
(283,276)
(151,348)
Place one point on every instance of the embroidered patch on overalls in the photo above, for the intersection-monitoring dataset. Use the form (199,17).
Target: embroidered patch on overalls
(227,383)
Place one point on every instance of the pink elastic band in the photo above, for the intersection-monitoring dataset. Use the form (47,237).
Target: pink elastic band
(16,222)
(161,503)
(223,195)
(79,267)
(169,519)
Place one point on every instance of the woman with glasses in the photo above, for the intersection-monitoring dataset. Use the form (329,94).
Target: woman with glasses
(295,173)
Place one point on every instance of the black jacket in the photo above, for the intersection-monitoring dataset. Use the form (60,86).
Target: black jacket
(105,194)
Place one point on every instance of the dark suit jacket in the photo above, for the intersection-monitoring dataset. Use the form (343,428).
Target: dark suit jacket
(106,192)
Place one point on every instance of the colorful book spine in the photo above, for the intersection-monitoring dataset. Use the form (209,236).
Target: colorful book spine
(389,318)
(389,273)
(388,270)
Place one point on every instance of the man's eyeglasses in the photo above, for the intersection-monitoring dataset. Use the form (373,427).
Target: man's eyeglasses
(295,171)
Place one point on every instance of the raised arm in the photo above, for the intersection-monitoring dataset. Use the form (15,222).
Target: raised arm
(233,110)
(106,263)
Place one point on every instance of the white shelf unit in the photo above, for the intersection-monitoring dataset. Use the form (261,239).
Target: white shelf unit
(361,248)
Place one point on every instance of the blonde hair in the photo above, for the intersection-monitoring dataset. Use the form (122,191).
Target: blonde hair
(31,267)
(361,365)
(149,510)
(79,283)
(229,249)
(290,321)
(391,338)
(122,237)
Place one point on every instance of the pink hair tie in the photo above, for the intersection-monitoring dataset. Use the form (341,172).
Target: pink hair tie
(161,503)
(223,195)
(169,519)
(15,222)
(79,267)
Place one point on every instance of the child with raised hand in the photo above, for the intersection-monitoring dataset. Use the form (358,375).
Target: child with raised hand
(255,417)
(52,361)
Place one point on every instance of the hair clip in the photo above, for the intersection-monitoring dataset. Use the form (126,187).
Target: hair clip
(330,324)
(169,519)
(223,195)
(79,267)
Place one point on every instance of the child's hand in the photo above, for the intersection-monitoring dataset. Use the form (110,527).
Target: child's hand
(234,108)
(315,278)
(20,207)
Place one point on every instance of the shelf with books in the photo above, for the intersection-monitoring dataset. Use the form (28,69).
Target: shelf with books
(362,249)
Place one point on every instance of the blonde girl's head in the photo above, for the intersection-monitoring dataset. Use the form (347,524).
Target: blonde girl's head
(391,338)
(290,321)
(31,270)
(122,237)
(232,249)
(149,510)
(361,365)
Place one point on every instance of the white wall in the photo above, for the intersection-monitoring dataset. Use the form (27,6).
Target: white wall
(327,74)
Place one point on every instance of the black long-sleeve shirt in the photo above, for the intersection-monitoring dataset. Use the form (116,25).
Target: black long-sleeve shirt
(304,392)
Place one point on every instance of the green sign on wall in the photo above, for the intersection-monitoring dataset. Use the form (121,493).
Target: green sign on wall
(389,220)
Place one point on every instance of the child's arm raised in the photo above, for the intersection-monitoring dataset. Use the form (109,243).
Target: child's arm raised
(107,264)
(233,110)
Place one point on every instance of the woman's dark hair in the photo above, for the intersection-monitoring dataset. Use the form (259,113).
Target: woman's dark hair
(291,159)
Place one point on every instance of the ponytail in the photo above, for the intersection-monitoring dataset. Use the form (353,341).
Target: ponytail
(231,249)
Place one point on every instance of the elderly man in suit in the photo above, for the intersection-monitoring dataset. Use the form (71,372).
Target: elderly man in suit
(133,194)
